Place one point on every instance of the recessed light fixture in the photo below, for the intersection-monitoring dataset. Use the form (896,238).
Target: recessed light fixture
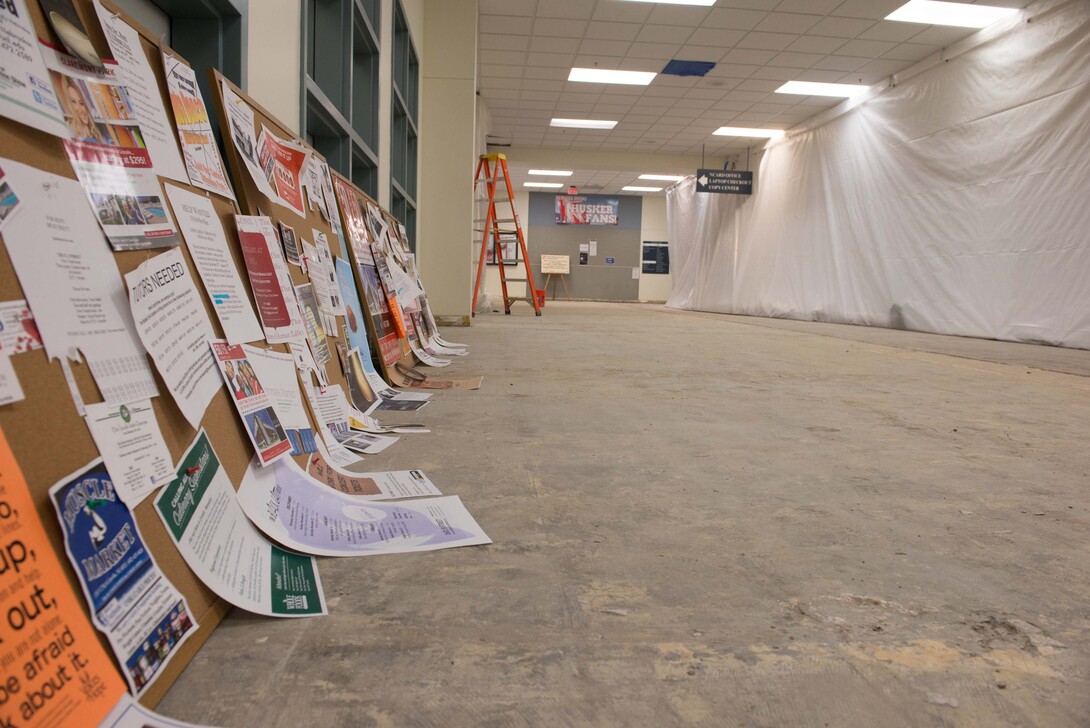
(551,172)
(632,188)
(551,185)
(960,15)
(663,177)
(813,88)
(583,123)
(741,131)
(600,75)
(704,3)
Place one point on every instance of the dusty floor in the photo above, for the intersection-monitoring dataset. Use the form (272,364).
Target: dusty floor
(716,521)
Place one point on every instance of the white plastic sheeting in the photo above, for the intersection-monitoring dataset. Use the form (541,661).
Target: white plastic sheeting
(957,202)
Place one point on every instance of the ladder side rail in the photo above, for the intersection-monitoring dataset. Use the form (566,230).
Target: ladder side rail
(531,285)
(489,216)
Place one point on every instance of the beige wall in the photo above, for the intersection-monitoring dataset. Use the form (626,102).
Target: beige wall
(274,58)
(448,153)
(654,288)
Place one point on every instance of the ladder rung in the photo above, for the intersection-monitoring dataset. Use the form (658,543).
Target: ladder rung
(515,280)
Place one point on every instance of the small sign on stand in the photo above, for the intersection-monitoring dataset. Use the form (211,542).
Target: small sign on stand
(559,266)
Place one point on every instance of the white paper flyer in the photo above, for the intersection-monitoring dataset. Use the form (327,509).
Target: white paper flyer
(72,284)
(132,447)
(303,514)
(276,372)
(207,243)
(135,72)
(172,323)
(254,406)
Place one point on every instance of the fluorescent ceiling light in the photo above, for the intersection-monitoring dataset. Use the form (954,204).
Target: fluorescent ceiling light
(663,177)
(631,188)
(552,185)
(551,172)
(599,75)
(741,131)
(929,12)
(705,3)
(813,88)
(582,123)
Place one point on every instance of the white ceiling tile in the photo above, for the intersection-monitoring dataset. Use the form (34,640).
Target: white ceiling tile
(759,84)
(551,60)
(664,34)
(503,58)
(873,9)
(751,96)
(548,74)
(865,48)
(839,63)
(896,32)
(622,12)
(566,9)
(941,36)
(720,37)
(494,83)
(631,63)
(732,104)
(766,41)
(711,54)
(494,42)
(795,60)
(506,24)
(537,105)
(545,44)
(732,70)
(912,52)
(612,31)
(690,16)
(559,28)
(793,23)
(772,73)
(880,68)
(749,56)
(736,19)
(542,85)
(611,62)
(501,71)
(508,7)
(531,95)
(664,51)
(816,44)
(818,7)
(706,93)
(841,27)
(816,74)
(599,47)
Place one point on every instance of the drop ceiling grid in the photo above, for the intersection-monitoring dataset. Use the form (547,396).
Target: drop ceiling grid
(527,48)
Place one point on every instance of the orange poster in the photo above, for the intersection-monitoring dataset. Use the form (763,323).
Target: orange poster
(54,670)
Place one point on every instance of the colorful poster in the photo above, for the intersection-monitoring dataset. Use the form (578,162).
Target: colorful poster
(303,514)
(354,222)
(270,279)
(208,246)
(381,319)
(202,156)
(203,517)
(312,317)
(141,613)
(260,418)
(174,327)
(108,154)
(587,210)
(25,92)
(282,163)
(55,672)
(136,74)
(276,372)
(240,119)
(72,284)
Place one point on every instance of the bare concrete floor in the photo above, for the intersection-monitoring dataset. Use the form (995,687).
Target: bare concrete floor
(715,521)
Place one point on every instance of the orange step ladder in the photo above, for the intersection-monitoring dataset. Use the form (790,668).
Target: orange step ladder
(491,168)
